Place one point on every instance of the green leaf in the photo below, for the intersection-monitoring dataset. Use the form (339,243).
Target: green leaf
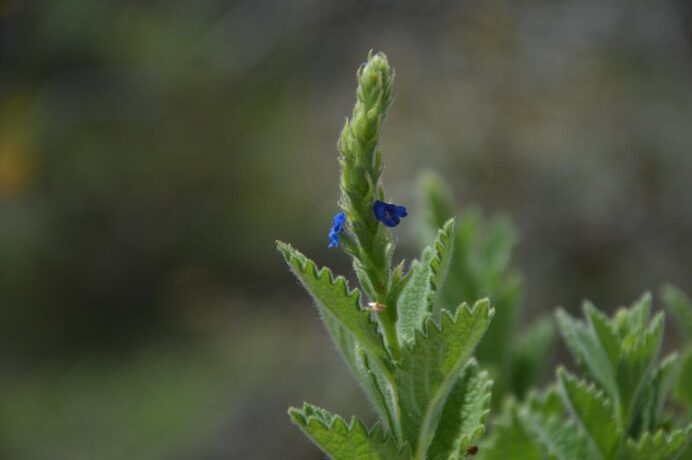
(345,441)
(414,304)
(430,367)
(352,330)
(635,367)
(509,439)
(418,298)
(681,306)
(380,392)
(479,266)
(464,283)
(657,446)
(600,325)
(664,379)
(437,201)
(463,416)
(683,389)
(499,239)
(629,322)
(593,412)
(444,248)
(548,403)
(586,346)
(560,440)
(335,300)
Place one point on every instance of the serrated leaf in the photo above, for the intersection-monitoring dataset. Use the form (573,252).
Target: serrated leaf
(439,265)
(414,304)
(561,441)
(418,299)
(607,336)
(683,389)
(370,376)
(656,446)
(431,366)
(548,403)
(347,323)
(464,284)
(381,393)
(664,378)
(635,367)
(681,306)
(463,416)
(630,322)
(479,266)
(593,412)
(585,345)
(509,439)
(649,412)
(345,441)
(334,299)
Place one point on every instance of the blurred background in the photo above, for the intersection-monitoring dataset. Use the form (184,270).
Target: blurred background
(151,153)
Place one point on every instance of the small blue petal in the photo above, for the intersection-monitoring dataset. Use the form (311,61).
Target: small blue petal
(337,226)
(388,214)
(379,208)
(338,222)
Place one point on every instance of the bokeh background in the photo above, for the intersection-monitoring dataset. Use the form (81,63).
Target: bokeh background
(151,152)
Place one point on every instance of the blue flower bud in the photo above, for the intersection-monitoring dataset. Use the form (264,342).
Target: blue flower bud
(337,226)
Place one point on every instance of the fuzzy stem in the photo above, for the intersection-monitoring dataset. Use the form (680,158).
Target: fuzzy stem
(361,170)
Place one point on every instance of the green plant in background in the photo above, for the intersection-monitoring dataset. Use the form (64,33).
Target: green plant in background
(480,265)
(680,305)
(409,350)
(619,414)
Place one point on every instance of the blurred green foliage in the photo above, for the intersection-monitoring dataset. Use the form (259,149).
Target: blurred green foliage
(480,266)
(680,305)
(620,411)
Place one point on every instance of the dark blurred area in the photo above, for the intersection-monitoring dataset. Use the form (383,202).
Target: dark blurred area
(151,153)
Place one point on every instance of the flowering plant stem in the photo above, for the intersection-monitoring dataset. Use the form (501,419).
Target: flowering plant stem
(411,355)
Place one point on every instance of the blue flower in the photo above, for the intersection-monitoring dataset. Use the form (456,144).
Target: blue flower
(337,226)
(388,214)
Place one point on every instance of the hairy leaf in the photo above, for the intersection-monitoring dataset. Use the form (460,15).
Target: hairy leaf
(635,367)
(681,306)
(587,348)
(683,389)
(593,412)
(463,416)
(439,265)
(560,440)
(335,300)
(600,325)
(657,446)
(548,403)
(664,379)
(418,298)
(345,441)
(629,322)
(431,366)
(352,330)
(510,440)
(415,301)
